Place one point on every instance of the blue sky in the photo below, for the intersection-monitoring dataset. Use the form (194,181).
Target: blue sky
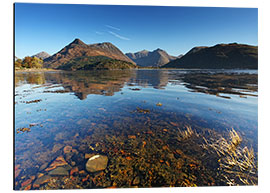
(50,27)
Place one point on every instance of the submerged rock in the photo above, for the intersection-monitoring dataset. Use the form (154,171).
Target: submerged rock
(136,180)
(96,163)
(59,161)
(43,166)
(67,149)
(41,180)
(60,171)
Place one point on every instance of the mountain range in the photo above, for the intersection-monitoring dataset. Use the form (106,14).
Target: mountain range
(220,56)
(80,56)
(77,48)
(156,58)
(42,55)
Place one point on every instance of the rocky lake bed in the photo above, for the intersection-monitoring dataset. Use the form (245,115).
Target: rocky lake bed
(135,128)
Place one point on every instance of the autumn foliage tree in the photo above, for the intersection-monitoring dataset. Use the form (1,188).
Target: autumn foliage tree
(29,62)
(18,63)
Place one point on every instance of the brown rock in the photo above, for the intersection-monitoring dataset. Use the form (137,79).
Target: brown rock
(97,163)
(67,149)
(136,180)
(59,171)
(41,180)
(40,175)
(43,166)
(56,147)
(88,155)
(132,136)
(174,124)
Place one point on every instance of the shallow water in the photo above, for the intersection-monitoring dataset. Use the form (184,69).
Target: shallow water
(135,118)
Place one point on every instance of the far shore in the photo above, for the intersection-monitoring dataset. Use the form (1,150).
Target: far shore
(37,70)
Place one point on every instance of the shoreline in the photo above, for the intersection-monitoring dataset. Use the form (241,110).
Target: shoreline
(37,70)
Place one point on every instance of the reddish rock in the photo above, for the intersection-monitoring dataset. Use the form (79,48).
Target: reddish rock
(85,179)
(59,161)
(67,149)
(144,143)
(129,158)
(165,147)
(174,124)
(27,182)
(74,170)
(40,175)
(82,172)
(17,172)
(17,167)
(36,185)
(41,180)
(28,187)
(111,187)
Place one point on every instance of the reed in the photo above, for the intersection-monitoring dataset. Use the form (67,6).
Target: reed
(236,164)
(187,133)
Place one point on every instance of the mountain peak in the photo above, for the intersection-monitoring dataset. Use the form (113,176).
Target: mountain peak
(78,48)
(42,55)
(78,42)
(154,58)
(158,49)
(220,56)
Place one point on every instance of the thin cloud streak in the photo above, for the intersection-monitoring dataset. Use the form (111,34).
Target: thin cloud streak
(115,28)
(99,33)
(118,36)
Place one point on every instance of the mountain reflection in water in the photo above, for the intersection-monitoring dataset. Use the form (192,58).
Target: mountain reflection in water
(108,82)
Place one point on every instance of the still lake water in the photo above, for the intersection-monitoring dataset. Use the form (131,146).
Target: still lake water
(134,117)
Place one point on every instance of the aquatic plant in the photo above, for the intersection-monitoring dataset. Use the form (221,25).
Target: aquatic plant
(181,135)
(236,164)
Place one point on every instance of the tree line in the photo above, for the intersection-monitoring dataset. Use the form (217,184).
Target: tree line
(29,62)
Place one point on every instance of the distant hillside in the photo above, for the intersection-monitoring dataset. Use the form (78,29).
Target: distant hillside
(42,55)
(155,58)
(77,48)
(221,56)
(96,63)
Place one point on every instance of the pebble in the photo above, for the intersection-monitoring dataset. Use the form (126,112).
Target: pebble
(74,170)
(136,180)
(67,149)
